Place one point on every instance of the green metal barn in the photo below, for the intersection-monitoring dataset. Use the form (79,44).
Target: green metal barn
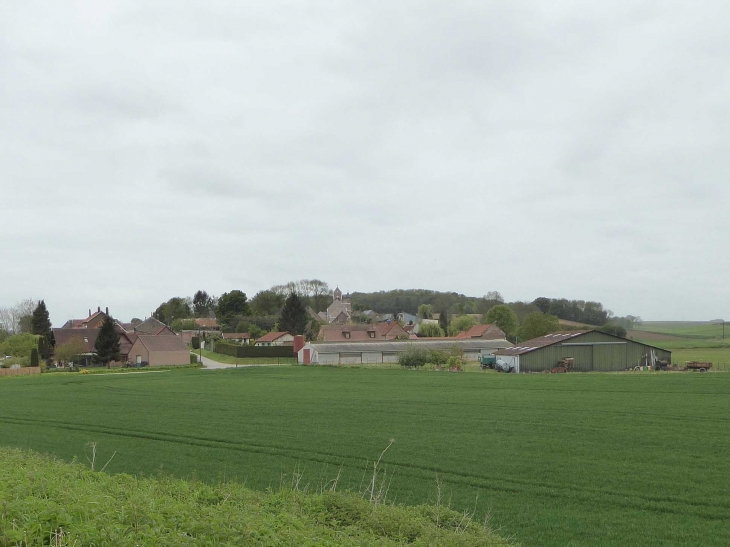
(591,351)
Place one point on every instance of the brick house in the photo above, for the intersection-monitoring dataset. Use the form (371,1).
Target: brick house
(159,350)
(276,339)
(485,332)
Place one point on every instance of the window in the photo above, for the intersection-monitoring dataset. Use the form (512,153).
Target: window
(372,334)
(346,334)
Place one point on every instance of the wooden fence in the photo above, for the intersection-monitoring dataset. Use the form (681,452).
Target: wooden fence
(25,371)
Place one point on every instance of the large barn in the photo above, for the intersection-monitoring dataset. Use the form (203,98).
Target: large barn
(351,353)
(591,351)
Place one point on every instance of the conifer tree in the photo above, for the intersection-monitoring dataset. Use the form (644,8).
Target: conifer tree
(107,343)
(293,317)
(444,321)
(41,325)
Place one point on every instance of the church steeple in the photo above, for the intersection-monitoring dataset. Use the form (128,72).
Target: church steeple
(337,294)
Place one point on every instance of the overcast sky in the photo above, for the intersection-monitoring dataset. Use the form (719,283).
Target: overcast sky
(564,149)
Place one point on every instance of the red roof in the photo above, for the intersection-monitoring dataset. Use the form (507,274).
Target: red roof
(236,336)
(337,333)
(271,336)
(207,322)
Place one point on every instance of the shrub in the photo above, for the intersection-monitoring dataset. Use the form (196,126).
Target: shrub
(196,342)
(193,359)
(34,357)
(414,357)
(438,358)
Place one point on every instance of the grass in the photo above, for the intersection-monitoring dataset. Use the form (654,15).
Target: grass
(47,502)
(701,342)
(571,459)
(221,358)
(689,329)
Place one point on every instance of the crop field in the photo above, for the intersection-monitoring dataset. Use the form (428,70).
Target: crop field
(571,459)
(689,329)
(689,341)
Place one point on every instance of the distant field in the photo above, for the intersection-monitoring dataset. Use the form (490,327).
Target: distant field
(581,459)
(688,341)
(695,329)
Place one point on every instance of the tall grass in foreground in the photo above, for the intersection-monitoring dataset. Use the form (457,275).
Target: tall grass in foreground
(47,502)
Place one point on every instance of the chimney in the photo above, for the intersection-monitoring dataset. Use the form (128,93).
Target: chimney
(89,312)
(107,310)
(298,343)
(98,309)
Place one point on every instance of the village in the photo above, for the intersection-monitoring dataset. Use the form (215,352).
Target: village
(339,335)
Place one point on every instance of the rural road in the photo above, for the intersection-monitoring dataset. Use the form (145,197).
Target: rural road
(210,364)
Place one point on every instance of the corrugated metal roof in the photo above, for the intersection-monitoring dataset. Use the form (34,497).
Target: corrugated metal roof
(394,346)
(541,342)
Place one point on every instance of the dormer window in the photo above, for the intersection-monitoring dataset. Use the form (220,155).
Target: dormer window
(371,333)
(346,334)
(86,340)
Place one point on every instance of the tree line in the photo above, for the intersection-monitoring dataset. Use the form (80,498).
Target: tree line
(280,308)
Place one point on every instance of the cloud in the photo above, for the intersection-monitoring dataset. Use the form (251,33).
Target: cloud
(151,149)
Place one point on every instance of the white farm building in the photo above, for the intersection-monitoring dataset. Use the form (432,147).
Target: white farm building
(355,353)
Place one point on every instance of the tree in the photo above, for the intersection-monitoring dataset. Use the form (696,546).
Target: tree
(267,303)
(107,342)
(231,304)
(294,316)
(312,331)
(616,330)
(179,325)
(66,352)
(431,330)
(444,321)
(34,357)
(202,304)
(495,296)
(425,311)
(504,317)
(537,324)
(19,345)
(254,331)
(543,304)
(25,324)
(17,320)
(41,325)
(175,308)
(461,323)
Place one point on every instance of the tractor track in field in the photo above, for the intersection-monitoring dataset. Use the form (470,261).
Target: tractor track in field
(715,510)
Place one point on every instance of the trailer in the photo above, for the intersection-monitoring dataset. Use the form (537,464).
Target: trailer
(701,366)
(486,360)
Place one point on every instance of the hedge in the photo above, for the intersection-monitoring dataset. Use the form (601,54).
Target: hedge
(234,350)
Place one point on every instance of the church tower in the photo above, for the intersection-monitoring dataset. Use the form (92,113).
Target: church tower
(337,295)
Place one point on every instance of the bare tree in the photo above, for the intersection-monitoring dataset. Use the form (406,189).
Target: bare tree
(13,319)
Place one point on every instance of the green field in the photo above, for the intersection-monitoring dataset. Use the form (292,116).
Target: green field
(573,459)
(698,341)
(689,329)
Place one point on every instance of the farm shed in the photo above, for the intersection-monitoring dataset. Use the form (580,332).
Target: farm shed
(160,350)
(344,353)
(591,350)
